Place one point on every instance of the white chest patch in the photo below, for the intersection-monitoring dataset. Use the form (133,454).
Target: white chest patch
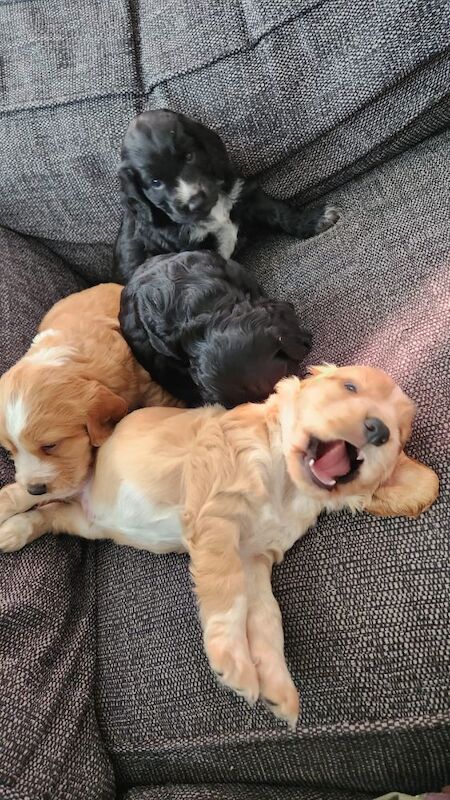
(52,356)
(44,335)
(280,524)
(153,528)
(219,223)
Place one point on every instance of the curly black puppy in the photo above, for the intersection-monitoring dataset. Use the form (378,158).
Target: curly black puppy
(205,331)
(179,192)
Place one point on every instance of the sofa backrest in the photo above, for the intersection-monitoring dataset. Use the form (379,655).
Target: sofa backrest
(302,91)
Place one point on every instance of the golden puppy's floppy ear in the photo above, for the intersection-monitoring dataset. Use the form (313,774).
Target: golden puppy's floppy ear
(411,489)
(104,409)
(406,413)
(321,370)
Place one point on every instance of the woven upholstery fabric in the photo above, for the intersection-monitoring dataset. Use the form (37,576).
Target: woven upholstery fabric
(364,600)
(236,792)
(50,744)
(300,91)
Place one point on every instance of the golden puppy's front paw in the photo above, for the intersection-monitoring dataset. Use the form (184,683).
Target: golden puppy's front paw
(15,533)
(233,666)
(278,692)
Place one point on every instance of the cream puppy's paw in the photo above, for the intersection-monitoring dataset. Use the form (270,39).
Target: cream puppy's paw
(15,533)
(14,499)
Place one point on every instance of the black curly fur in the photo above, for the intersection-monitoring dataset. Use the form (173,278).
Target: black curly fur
(205,331)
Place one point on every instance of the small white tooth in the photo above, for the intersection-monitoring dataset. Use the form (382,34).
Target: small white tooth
(360,456)
(311,462)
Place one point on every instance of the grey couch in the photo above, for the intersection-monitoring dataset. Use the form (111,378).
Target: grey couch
(104,687)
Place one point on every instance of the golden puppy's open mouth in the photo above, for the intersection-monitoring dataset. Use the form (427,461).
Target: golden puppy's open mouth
(329,463)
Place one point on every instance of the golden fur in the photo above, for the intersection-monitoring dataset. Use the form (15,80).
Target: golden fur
(233,489)
(75,382)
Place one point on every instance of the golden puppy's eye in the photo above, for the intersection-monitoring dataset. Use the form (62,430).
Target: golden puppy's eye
(351,387)
(48,448)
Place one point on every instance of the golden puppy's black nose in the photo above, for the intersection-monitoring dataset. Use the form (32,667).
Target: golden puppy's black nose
(377,432)
(37,488)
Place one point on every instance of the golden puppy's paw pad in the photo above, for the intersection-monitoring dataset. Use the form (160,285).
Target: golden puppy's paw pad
(279,694)
(14,534)
(234,668)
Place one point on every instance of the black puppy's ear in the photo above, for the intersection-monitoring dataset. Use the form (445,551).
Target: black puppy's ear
(293,341)
(294,346)
(130,188)
(211,143)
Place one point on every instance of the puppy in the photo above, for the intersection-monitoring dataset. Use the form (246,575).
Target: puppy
(61,400)
(180,192)
(206,332)
(236,489)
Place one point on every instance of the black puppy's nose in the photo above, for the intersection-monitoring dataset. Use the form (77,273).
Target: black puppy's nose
(37,488)
(377,432)
(197,201)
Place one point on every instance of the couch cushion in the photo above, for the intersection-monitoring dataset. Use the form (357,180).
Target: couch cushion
(364,600)
(236,791)
(296,89)
(50,746)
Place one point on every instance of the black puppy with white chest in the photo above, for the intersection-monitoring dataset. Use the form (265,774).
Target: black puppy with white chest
(205,331)
(179,192)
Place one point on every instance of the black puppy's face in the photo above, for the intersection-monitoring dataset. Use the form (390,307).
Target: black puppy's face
(175,164)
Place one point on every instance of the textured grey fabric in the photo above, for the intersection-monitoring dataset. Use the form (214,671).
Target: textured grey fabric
(299,90)
(237,792)
(49,741)
(364,600)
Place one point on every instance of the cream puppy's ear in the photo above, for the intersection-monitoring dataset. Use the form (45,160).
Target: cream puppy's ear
(410,490)
(104,409)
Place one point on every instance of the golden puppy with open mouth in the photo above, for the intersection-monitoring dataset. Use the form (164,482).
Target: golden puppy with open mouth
(236,489)
(62,399)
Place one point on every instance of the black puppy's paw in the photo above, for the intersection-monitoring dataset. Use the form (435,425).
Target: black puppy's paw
(327,216)
(314,221)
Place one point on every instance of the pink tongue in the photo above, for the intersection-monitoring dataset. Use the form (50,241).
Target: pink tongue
(333,463)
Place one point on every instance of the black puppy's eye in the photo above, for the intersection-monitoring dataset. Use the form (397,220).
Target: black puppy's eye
(189,157)
(157,184)
(350,387)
